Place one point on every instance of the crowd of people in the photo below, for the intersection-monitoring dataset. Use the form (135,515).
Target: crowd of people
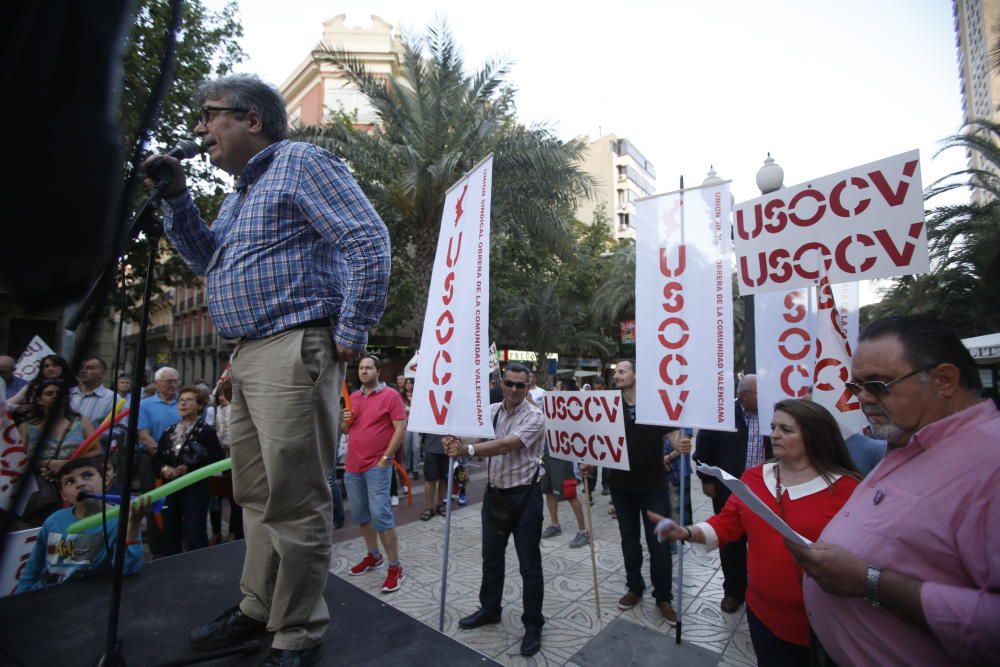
(898,561)
(872,523)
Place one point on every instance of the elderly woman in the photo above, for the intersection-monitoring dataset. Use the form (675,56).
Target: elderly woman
(184,447)
(67,431)
(810,479)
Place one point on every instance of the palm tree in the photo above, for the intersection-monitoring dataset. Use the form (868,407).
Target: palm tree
(544,321)
(435,123)
(614,299)
(964,246)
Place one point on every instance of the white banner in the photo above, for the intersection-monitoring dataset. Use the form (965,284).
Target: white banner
(848,299)
(17,548)
(833,365)
(494,359)
(784,328)
(13,462)
(586,427)
(862,223)
(451,389)
(30,361)
(684,318)
(410,370)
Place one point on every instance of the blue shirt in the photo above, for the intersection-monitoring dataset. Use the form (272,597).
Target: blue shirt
(297,241)
(15,385)
(58,556)
(865,452)
(157,415)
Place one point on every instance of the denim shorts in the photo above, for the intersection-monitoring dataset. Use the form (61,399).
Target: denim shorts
(368,493)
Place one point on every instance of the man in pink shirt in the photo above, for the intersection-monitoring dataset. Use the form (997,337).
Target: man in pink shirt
(908,572)
(375,425)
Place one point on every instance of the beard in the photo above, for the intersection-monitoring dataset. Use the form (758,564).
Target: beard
(887,431)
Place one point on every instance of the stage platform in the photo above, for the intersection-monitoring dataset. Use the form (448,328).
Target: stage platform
(66,625)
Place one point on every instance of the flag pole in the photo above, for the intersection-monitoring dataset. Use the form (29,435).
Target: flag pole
(681,499)
(593,557)
(680,550)
(447,539)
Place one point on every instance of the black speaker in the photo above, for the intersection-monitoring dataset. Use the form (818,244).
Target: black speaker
(61,77)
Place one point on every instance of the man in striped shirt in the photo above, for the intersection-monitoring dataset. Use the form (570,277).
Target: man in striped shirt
(515,460)
(297,269)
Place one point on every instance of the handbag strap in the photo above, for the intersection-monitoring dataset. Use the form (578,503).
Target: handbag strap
(69,427)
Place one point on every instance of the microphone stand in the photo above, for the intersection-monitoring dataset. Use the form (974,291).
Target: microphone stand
(147,223)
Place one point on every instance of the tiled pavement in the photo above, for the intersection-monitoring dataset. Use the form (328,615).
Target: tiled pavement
(569,607)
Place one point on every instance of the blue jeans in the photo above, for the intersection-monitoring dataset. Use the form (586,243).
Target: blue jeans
(369,495)
(631,508)
(338,502)
(527,543)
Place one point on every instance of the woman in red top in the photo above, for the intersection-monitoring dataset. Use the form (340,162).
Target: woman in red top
(810,480)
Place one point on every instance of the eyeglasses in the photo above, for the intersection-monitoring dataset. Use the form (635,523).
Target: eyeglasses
(206,114)
(879,388)
(511,384)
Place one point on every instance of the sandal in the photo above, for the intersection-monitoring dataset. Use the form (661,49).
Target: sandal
(427,514)
(441,509)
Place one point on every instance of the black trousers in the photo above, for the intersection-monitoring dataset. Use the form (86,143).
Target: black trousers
(185,518)
(733,556)
(631,506)
(772,651)
(527,543)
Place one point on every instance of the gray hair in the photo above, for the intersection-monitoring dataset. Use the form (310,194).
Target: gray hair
(160,372)
(247,91)
(745,384)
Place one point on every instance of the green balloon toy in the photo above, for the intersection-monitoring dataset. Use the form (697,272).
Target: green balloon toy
(160,492)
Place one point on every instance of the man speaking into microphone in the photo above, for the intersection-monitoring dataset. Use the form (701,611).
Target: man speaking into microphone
(297,269)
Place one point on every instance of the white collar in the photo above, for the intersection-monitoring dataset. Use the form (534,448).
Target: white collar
(802,490)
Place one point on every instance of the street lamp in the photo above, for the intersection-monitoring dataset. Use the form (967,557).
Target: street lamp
(770,177)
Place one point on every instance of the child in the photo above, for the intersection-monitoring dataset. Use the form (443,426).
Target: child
(57,555)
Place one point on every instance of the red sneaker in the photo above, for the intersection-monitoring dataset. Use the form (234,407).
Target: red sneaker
(393,579)
(369,562)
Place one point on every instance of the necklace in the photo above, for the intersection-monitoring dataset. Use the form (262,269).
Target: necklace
(778,491)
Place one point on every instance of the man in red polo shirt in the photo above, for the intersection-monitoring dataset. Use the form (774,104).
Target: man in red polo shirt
(375,425)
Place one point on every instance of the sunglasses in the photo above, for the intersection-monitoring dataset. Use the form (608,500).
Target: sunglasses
(511,384)
(879,388)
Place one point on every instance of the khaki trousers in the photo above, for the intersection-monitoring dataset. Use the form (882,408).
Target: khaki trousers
(282,424)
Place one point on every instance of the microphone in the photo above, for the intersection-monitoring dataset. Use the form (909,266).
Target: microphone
(184,150)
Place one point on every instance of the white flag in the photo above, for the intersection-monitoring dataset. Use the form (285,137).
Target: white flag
(410,370)
(451,390)
(784,328)
(494,359)
(833,364)
(30,361)
(684,319)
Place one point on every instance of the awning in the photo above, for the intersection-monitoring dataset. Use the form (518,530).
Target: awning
(984,349)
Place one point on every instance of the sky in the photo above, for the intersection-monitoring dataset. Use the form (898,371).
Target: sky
(822,86)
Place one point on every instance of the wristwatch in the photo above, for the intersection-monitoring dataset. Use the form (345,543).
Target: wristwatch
(385,457)
(871,585)
(471,449)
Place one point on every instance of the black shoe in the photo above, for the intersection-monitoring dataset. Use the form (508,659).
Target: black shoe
(532,642)
(231,627)
(337,525)
(479,618)
(289,658)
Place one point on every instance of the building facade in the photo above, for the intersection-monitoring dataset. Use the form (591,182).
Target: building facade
(621,175)
(975,22)
(315,89)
